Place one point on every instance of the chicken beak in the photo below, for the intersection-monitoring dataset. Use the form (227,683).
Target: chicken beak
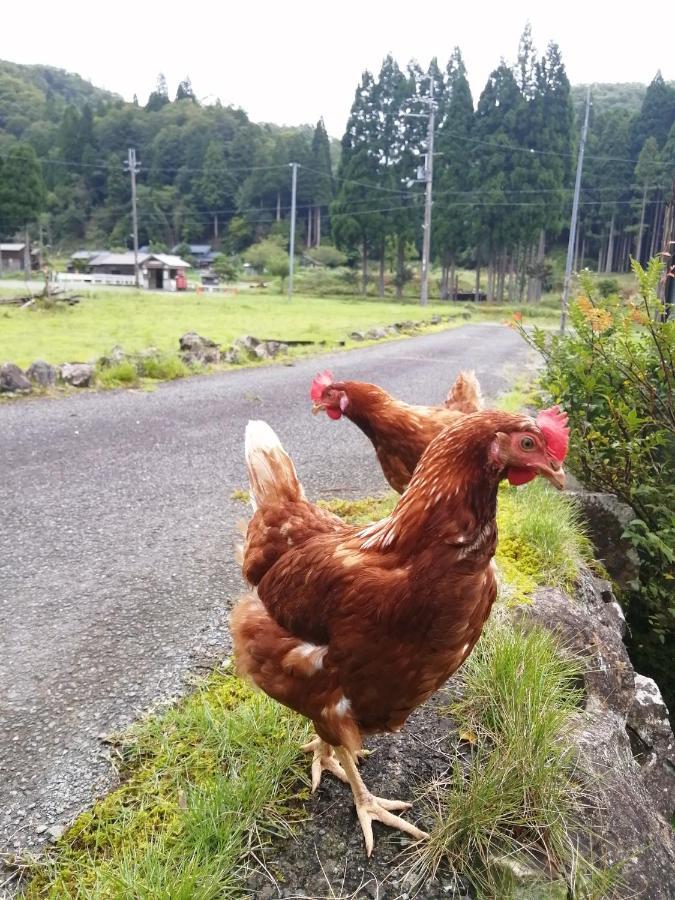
(554,473)
(317,408)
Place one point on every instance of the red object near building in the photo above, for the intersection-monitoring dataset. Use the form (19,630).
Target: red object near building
(181,280)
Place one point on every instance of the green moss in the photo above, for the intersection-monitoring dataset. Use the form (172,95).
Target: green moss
(240,495)
(196,779)
(363,511)
(540,539)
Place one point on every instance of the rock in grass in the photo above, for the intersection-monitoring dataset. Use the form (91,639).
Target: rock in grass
(270,349)
(13,380)
(77,374)
(195,349)
(246,347)
(40,372)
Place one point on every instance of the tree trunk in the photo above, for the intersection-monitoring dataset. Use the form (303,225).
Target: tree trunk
(477,290)
(318,226)
(309,227)
(215,226)
(453,286)
(638,240)
(444,281)
(656,233)
(523,275)
(380,283)
(531,283)
(609,262)
(575,258)
(364,274)
(583,252)
(278,206)
(541,253)
(490,275)
(400,265)
(600,246)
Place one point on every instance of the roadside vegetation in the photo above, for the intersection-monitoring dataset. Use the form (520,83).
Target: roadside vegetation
(201,793)
(614,372)
(136,321)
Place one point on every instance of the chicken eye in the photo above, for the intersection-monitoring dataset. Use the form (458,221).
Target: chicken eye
(527,443)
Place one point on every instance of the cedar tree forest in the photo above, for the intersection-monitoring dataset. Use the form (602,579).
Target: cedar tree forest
(503,170)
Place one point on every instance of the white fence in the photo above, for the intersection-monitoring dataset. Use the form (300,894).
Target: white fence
(82,278)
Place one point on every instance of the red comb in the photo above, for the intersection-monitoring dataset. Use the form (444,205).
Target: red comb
(320,381)
(554,427)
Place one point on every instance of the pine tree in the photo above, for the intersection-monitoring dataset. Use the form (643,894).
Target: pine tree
(498,125)
(355,219)
(656,117)
(321,182)
(22,190)
(453,219)
(215,187)
(648,177)
(185,92)
(160,96)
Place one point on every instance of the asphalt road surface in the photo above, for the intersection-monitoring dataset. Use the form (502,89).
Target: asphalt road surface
(117,528)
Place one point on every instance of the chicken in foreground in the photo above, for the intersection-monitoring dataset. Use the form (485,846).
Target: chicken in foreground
(356,627)
(399,432)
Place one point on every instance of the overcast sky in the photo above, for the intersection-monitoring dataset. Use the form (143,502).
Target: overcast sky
(292,62)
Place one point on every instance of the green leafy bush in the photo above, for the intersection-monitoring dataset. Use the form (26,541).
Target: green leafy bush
(614,374)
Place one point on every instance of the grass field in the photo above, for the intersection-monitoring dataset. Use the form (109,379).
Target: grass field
(138,320)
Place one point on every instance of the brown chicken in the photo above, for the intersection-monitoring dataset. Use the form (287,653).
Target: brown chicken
(399,432)
(355,627)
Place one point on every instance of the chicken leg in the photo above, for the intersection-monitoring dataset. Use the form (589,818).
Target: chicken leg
(369,808)
(324,761)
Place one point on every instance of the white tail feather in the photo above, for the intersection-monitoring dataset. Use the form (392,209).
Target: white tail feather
(270,469)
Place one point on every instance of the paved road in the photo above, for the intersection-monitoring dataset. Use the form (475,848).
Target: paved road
(116,536)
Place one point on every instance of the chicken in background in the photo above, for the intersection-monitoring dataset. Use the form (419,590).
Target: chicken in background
(356,627)
(399,432)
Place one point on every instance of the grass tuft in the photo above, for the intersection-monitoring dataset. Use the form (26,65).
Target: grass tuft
(165,367)
(513,802)
(199,789)
(121,374)
(541,541)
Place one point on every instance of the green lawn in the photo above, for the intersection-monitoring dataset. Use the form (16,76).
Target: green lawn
(137,320)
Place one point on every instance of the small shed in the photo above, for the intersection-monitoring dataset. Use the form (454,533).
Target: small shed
(158,271)
(14,258)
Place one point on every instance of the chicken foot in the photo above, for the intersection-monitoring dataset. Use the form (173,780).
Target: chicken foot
(370,808)
(324,761)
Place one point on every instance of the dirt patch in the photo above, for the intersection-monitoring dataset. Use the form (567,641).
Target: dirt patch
(326,857)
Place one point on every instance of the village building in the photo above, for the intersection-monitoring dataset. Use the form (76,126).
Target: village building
(157,271)
(14,258)
(202,254)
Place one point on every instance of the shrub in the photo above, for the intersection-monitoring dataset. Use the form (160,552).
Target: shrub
(327,256)
(225,267)
(121,374)
(607,286)
(166,367)
(614,374)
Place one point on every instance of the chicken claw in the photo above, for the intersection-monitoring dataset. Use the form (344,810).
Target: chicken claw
(324,761)
(369,808)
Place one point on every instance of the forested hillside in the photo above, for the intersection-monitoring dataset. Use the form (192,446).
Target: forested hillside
(503,169)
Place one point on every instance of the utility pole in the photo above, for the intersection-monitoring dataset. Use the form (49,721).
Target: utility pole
(291,245)
(133,169)
(429,176)
(573,223)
